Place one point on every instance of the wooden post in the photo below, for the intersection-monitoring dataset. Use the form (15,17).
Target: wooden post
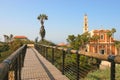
(112,70)
(46,53)
(52,55)
(43,51)
(19,68)
(63,61)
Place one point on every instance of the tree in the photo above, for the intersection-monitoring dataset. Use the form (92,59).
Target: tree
(36,39)
(109,34)
(113,31)
(8,38)
(79,41)
(117,44)
(42,17)
(85,38)
(70,39)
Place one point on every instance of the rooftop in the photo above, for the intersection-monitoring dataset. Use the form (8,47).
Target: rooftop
(20,37)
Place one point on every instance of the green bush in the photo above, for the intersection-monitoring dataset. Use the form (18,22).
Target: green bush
(103,74)
(8,48)
(4,47)
(46,42)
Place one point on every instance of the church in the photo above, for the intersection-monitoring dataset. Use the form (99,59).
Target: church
(103,44)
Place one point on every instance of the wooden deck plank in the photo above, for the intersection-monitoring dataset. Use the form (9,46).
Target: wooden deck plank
(37,67)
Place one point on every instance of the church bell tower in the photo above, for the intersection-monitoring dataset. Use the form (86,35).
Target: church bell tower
(85,24)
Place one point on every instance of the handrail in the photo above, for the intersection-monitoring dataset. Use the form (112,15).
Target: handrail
(113,59)
(88,54)
(11,67)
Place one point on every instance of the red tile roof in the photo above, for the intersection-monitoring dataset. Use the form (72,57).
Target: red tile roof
(61,44)
(20,37)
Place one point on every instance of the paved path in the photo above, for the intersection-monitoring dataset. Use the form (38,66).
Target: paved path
(37,67)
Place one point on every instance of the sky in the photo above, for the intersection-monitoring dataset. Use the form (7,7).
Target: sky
(65,17)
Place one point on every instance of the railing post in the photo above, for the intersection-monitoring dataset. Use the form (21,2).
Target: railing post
(46,54)
(112,69)
(40,49)
(16,68)
(52,55)
(17,71)
(78,62)
(63,61)
(42,52)
(19,68)
(22,59)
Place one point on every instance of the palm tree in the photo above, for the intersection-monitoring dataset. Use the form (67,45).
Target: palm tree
(6,37)
(117,44)
(113,31)
(109,34)
(11,38)
(42,17)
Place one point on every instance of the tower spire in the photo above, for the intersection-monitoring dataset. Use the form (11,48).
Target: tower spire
(85,24)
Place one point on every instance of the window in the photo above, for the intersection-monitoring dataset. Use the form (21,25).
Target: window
(102,36)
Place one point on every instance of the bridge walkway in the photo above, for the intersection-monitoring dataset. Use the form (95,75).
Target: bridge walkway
(37,67)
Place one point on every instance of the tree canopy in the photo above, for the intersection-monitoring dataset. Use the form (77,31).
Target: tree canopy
(79,41)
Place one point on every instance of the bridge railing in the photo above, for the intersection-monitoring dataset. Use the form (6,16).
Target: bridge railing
(10,68)
(73,69)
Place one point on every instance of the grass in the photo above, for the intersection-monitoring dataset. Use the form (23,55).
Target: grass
(103,74)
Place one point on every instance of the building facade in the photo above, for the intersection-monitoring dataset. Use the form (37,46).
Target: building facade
(101,42)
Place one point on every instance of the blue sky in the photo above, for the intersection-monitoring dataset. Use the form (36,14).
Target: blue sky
(65,17)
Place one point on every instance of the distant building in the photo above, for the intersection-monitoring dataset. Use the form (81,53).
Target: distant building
(62,44)
(21,38)
(104,44)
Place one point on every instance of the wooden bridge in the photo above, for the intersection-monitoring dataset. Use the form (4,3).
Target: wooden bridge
(36,67)
(27,63)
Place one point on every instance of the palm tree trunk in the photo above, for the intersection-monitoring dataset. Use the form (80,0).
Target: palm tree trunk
(42,32)
(42,22)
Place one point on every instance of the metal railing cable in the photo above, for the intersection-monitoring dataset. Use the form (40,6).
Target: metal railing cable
(76,64)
